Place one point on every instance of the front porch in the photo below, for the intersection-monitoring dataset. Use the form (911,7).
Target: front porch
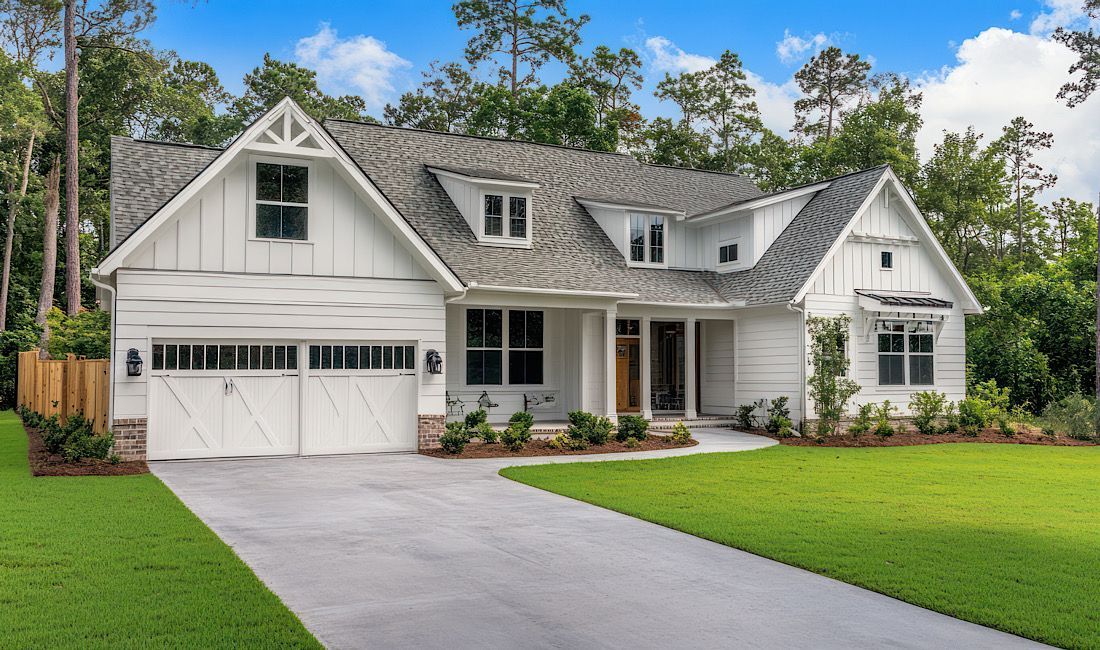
(665,364)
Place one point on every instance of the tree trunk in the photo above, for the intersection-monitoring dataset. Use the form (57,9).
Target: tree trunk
(72,172)
(1098,304)
(49,253)
(12,210)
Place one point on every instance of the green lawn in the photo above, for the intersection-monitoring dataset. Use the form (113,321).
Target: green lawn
(119,562)
(1003,535)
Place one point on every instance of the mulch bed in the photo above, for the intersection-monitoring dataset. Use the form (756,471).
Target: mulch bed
(1024,436)
(539,447)
(44,463)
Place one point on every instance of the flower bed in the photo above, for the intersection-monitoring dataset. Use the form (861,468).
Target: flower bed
(43,463)
(1024,436)
(543,448)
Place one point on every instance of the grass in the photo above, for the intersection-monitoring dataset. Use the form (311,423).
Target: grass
(120,562)
(1007,536)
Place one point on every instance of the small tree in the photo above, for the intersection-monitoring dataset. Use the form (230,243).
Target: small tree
(830,388)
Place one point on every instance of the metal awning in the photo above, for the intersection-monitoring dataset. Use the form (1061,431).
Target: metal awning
(903,300)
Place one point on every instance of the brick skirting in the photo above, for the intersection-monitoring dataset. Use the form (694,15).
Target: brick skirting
(130,435)
(428,429)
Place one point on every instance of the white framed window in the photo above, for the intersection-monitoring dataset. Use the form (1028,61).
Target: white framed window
(484,346)
(488,345)
(906,353)
(525,330)
(505,218)
(280,206)
(729,254)
(646,238)
(886,260)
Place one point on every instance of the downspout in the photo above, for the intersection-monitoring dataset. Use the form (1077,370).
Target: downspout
(110,351)
(801,363)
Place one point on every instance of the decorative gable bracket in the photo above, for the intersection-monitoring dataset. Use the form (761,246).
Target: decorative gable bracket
(286,134)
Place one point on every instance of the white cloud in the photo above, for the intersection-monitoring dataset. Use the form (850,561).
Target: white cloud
(1059,13)
(359,64)
(665,56)
(1001,74)
(792,48)
(1015,14)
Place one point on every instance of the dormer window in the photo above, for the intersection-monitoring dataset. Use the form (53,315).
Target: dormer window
(494,215)
(504,218)
(517,216)
(647,239)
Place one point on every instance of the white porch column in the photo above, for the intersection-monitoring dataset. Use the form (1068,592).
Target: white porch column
(647,369)
(611,410)
(689,370)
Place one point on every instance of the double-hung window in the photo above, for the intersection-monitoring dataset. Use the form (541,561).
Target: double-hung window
(727,253)
(905,353)
(647,239)
(524,347)
(497,223)
(282,201)
(484,346)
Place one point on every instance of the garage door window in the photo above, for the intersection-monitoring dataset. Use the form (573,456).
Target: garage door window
(224,356)
(362,357)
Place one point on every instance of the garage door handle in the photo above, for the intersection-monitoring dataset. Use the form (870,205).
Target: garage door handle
(228,386)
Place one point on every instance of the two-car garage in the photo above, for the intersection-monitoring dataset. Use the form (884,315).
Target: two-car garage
(213,399)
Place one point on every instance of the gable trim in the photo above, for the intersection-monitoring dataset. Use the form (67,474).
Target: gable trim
(436,267)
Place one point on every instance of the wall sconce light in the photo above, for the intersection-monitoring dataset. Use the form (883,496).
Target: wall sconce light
(133,363)
(434,362)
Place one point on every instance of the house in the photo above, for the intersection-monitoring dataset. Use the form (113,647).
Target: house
(346,287)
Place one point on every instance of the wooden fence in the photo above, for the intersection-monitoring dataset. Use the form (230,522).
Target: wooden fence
(65,387)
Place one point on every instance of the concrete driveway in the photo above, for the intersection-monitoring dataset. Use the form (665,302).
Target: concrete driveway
(389,551)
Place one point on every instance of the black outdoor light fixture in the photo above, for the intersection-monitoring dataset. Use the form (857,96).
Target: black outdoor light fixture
(434,362)
(133,363)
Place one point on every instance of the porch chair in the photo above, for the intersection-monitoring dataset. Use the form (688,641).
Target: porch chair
(485,402)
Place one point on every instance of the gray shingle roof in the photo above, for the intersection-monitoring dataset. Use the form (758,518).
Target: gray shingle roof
(479,172)
(145,175)
(570,250)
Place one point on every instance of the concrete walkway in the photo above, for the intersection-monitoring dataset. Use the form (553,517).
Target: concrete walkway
(389,551)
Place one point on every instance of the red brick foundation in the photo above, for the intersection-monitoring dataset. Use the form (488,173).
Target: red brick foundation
(429,428)
(130,434)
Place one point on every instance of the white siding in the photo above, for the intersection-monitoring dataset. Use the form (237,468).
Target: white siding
(593,368)
(767,356)
(211,232)
(717,368)
(465,196)
(709,237)
(771,220)
(196,305)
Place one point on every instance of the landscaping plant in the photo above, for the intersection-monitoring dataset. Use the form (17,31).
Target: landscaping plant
(974,415)
(863,421)
(523,419)
(515,437)
(745,417)
(474,418)
(927,408)
(950,418)
(1073,415)
(454,438)
(829,386)
(75,440)
(592,429)
(681,435)
(883,413)
(631,426)
(779,417)
(486,432)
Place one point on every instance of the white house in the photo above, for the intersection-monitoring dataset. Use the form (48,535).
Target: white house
(345,287)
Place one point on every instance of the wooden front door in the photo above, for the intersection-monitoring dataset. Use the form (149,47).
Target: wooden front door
(628,375)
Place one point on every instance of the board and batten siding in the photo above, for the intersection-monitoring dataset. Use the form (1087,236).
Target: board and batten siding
(766,353)
(222,306)
(717,367)
(213,232)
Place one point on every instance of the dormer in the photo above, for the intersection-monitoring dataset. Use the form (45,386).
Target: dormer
(642,232)
(497,206)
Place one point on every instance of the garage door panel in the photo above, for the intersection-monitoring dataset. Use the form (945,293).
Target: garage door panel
(356,414)
(188,413)
(262,414)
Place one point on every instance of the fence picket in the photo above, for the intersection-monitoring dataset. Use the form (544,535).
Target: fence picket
(65,387)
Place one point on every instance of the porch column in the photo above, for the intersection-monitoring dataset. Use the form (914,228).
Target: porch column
(689,370)
(611,410)
(647,369)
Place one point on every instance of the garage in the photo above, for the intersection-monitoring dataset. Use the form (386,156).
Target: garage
(244,398)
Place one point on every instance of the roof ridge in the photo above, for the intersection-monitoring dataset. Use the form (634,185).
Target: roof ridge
(168,143)
(697,169)
(489,138)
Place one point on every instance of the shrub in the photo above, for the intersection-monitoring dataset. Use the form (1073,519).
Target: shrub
(80,447)
(883,413)
(1005,425)
(632,442)
(454,438)
(515,437)
(950,419)
(474,418)
(745,418)
(927,408)
(631,426)
(995,398)
(681,435)
(560,441)
(600,430)
(486,432)
(829,386)
(523,419)
(865,417)
(1074,415)
(589,428)
(974,415)
(779,416)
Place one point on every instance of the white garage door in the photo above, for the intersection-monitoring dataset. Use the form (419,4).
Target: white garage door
(360,398)
(210,400)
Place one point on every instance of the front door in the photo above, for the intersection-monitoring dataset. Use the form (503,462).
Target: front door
(628,375)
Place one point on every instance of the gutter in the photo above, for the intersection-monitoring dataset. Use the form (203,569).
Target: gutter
(801,363)
(554,292)
(111,350)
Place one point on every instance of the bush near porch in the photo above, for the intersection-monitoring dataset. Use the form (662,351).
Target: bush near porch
(115,562)
(1001,535)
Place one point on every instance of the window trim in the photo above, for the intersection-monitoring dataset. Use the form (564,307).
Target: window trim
(647,231)
(251,189)
(504,239)
(739,262)
(912,328)
(882,258)
(507,361)
(154,343)
(505,348)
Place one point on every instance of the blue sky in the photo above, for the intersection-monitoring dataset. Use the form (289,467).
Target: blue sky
(979,62)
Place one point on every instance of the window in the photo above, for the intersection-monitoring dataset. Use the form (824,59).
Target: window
(361,357)
(647,239)
(282,201)
(517,216)
(484,346)
(494,215)
(901,343)
(220,356)
(524,347)
(628,327)
(727,253)
(887,259)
